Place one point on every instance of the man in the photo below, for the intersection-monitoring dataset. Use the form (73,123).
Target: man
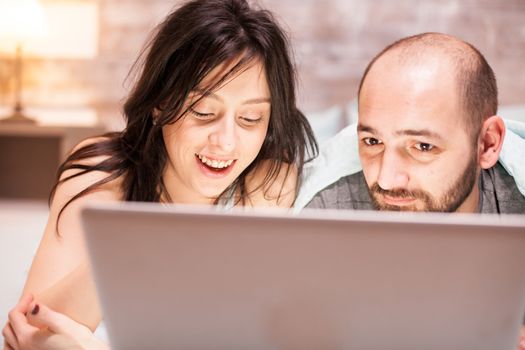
(428,135)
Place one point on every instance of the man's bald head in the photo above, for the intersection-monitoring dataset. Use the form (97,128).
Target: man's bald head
(474,78)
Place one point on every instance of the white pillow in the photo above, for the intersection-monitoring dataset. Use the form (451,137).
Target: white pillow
(327,123)
(514,112)
(351,112)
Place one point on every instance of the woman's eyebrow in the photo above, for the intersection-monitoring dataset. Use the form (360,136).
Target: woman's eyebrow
(204,93)
(214,96)
(254,101)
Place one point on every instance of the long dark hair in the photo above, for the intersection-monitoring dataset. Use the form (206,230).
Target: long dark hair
(194,39)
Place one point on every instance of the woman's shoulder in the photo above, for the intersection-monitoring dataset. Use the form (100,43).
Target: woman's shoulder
(82,170)
(92,149)
(268,186)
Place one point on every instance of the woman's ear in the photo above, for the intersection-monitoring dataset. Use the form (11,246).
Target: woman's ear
(491,141)
(155,115)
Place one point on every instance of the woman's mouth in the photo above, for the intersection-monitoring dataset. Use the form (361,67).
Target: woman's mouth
(215,166)
(214,163)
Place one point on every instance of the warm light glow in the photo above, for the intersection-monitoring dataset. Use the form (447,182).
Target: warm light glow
(55,29)
(72,31)
(21,20)
(70,28)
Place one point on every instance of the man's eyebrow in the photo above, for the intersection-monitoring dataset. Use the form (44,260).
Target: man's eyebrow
(251,101)
(366,128)
(420,132)
(407,132)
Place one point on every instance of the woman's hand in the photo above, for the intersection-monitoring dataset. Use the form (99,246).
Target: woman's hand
(35,326)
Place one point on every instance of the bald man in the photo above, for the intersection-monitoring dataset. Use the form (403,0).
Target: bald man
(428,134)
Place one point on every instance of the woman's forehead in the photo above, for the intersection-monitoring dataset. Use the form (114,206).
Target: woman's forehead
(229,70)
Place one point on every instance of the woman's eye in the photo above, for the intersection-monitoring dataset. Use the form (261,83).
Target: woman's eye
(201,116)
(251,121)
(370,141)
(424,147)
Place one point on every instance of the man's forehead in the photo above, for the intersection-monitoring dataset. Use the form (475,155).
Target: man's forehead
(411,115)
(424,93)
(427,71)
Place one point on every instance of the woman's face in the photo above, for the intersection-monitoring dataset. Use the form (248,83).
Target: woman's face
(218,137)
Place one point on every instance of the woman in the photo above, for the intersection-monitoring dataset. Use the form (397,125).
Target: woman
(212,119)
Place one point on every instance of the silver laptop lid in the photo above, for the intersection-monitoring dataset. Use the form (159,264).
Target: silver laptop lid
(195,278)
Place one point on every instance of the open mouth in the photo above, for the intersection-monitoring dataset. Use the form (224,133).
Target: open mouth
(215,164)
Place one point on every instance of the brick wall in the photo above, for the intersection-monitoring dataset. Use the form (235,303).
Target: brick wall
(333,41)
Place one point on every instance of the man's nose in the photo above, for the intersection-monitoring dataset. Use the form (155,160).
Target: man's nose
(223,135)
(393,171)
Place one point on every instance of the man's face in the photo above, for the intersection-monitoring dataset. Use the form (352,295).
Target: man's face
(413,145)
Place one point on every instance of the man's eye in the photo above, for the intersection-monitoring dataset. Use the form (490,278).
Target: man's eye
(370,141)
(424,147)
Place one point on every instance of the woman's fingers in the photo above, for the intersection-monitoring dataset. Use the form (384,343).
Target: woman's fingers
(32,325)
(23,303)
(10,341)
(43,316)
(21,328)
(9,333)
(61,331)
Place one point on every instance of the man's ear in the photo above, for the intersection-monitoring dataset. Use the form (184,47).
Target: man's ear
(491,141)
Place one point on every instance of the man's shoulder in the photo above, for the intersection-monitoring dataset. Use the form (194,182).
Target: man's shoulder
(500,192)
(349,192)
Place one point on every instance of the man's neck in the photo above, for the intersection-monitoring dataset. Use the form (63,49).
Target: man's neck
(471,203)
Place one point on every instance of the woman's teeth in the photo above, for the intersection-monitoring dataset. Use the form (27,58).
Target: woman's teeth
(217,164)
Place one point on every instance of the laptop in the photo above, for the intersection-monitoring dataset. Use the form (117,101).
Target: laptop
(196,278)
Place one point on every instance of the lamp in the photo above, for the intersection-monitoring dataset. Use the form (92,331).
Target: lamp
(20,20)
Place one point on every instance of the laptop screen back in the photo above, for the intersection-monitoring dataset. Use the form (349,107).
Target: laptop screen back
(194,278)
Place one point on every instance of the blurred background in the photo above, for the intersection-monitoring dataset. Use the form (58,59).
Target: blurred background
(70,72)
(83,67)
(70,77)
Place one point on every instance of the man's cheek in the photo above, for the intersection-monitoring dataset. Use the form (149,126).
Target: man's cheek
(370,171)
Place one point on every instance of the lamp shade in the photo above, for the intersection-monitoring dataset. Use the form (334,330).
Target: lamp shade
(21,20)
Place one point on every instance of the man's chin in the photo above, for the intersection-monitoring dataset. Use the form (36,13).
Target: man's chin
(400,205)
(390,207)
